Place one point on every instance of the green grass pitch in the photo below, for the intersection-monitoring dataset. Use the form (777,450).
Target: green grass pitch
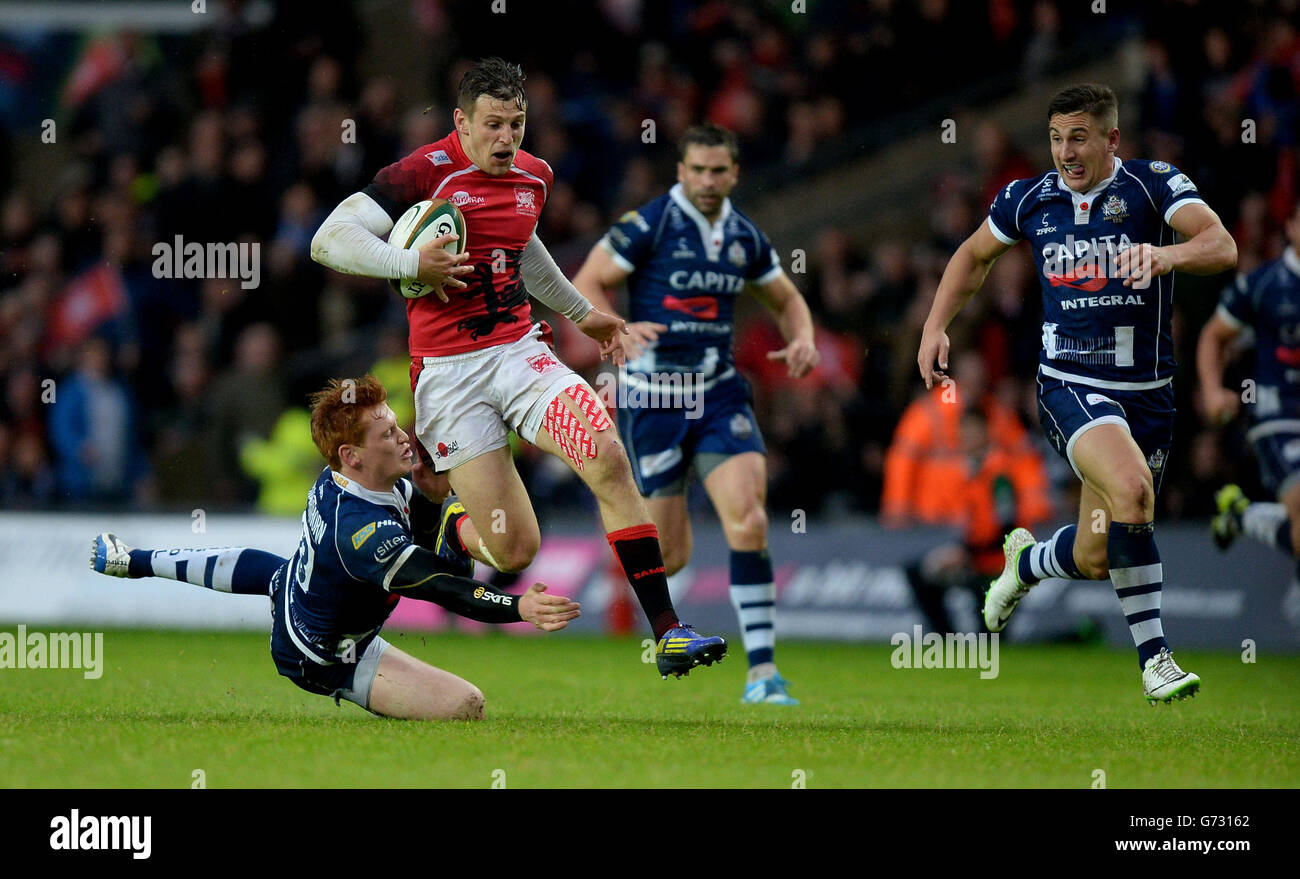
(567,711)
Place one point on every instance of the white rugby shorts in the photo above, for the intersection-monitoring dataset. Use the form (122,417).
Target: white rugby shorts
(467,404)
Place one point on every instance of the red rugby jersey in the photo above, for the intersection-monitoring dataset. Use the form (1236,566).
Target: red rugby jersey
(500,216)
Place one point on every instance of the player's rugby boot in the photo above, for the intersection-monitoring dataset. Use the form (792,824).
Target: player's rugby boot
(110,556)
(682,648)
(1005,592)
(770,690)
(448,546)
(1164,681)
(1229,505)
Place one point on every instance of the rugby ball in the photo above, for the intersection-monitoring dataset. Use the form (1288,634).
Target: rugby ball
(422,223)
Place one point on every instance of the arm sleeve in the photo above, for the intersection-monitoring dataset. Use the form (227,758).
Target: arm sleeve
(767,266)
(629,241)
(547,284)
(1004,213)
(384,554)
(1236,305)
(1172,189)
(350,241)
(424,575)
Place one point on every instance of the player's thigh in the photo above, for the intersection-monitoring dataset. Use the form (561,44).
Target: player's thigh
(456,415)
(738,488)
(407,688)
(551,406)
(1116,441)
(494,496)
(1110,463)
(671,516)
(575,428)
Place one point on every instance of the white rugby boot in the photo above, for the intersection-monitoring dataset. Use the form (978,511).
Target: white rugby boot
(110,556)
(1005,592)
(1164,681)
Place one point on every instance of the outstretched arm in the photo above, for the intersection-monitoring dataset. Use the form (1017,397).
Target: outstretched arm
(418,573)
(964,275)
(548,285)
(783,299)
(599,275)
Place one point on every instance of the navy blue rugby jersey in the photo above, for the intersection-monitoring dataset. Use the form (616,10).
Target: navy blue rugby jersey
(687,273)
(1096,331)
(354,545)
(1267,301)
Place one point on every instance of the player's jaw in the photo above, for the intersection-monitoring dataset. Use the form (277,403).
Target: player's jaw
(386,454)
(491,134)
(1081,150)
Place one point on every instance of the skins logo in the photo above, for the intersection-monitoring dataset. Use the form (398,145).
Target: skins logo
(702,307)
(1084,277)
(483,595)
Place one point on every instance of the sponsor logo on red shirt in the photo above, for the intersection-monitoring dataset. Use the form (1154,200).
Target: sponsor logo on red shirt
(460,198)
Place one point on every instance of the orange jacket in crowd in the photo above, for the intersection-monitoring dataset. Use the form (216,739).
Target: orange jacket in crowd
(1009,489)
(926,470)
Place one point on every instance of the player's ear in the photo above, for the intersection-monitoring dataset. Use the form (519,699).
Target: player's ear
(681,172)
(348,456)
(460,120)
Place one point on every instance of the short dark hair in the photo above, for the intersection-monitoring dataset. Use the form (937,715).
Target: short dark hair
(1098,101)
(709,135)
(494,77)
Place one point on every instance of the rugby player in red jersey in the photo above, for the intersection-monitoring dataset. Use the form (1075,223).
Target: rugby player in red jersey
(480,366)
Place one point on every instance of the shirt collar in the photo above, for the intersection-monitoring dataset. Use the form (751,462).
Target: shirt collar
(710,233)
(1291,259)
(1096,190)
(352,487)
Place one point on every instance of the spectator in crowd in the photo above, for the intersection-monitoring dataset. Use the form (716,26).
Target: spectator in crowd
(999,487)
(926,465)
(92,429)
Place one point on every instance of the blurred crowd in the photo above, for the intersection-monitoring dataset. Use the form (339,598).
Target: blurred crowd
(117,386)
